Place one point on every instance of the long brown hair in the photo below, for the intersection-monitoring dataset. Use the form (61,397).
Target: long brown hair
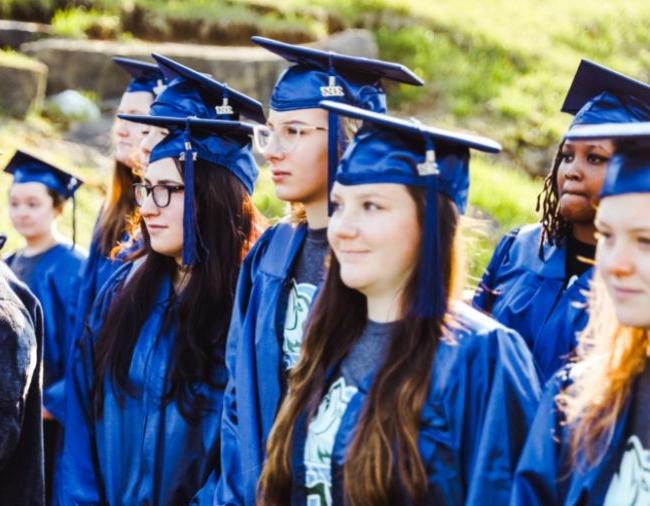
(119,213)
(609,358)
(383,462)
(226,220)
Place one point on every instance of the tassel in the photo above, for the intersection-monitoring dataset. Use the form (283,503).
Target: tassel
(190,253)
(332,155)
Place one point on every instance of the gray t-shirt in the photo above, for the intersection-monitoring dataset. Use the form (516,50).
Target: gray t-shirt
(307,274)
(23,266)
(630,484)
(366,355)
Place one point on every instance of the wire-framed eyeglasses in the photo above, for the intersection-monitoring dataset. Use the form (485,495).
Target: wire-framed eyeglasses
(286,136)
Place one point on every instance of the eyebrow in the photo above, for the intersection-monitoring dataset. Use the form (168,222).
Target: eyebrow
(290,122)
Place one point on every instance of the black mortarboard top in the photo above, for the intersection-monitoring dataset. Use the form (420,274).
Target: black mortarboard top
(601,95)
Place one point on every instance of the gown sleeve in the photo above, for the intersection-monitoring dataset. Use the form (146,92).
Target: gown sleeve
(229,487)
(484,295)
(490,398)
(537,481)
(80,473)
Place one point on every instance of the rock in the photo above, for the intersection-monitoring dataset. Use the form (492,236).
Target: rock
(71,105)
(22,84)
(86,64)
(15,33)
(356,42)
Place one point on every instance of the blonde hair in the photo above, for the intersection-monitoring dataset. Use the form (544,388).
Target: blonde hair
(609,357)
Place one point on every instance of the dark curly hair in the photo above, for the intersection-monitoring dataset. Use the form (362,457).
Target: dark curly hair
(554,227)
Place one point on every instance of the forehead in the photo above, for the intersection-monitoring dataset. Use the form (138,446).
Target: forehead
(604,144)
(310,116)
(626,211)
(391,191)
(136,101)
(164,168)
(32,189)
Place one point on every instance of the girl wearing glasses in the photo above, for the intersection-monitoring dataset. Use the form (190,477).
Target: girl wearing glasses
(50,266)
(539,274)
(148,376)
(402,394)
(114,217)
(590,442)
(281,275)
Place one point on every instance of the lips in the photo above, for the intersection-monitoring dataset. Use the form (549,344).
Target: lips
(152,227)
(623,293)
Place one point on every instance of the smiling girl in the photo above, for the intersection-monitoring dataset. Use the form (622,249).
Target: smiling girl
(538,275)
(590,442)
(402,394)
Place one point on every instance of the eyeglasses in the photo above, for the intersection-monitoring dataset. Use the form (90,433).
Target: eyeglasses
(286,136)
(161,193)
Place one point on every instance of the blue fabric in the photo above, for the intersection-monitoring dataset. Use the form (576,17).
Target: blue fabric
(254,361)
(55,281)
(546,475)
(609,108)
(26,168)
(143,451)
(526,294)
(482,399)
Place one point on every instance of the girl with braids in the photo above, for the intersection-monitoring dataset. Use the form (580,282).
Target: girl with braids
(590,442)
(147,378)
(402,394)
(537,278)
(281,275)
(115,218)
(50,266)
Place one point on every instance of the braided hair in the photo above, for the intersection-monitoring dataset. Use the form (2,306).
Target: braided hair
(554,227)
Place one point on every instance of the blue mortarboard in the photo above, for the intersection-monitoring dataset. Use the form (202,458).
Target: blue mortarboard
(192,93)
(601,95)
(393,150)
(222,142)
(145,76)
(26,168)
(629,169)
(318,75)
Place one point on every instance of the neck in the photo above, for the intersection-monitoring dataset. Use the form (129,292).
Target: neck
(585,232)
(40,243)
(384,307)
(316,214)
(181,276)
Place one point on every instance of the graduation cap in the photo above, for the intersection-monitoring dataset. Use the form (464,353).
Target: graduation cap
(393,150)
(225,143)
(192,93)
(145,76)
(3,240)
(601,95)
(322,75)
(26,168)
(629,169)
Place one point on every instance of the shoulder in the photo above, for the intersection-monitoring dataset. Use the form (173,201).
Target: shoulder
(275,237)
(18,305)
(71,254)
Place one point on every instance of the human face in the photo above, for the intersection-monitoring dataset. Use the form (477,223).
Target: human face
(31,210)
(300,174)
(375,235)
(623,255)
(127,134)
(164,224)
(580,178)
(152,136)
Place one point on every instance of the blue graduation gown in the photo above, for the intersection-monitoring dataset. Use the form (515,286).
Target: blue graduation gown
(545,475)
(141,451)
(55,281)
(528,295)
(254,361)
(482,398)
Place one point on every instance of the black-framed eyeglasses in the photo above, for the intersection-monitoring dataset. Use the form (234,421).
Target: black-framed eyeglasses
(162,193)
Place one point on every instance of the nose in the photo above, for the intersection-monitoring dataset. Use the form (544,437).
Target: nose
(274,152)
(146,146)
(573,170)
(618,261)
(121,128)
(148,207)
(343,225)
